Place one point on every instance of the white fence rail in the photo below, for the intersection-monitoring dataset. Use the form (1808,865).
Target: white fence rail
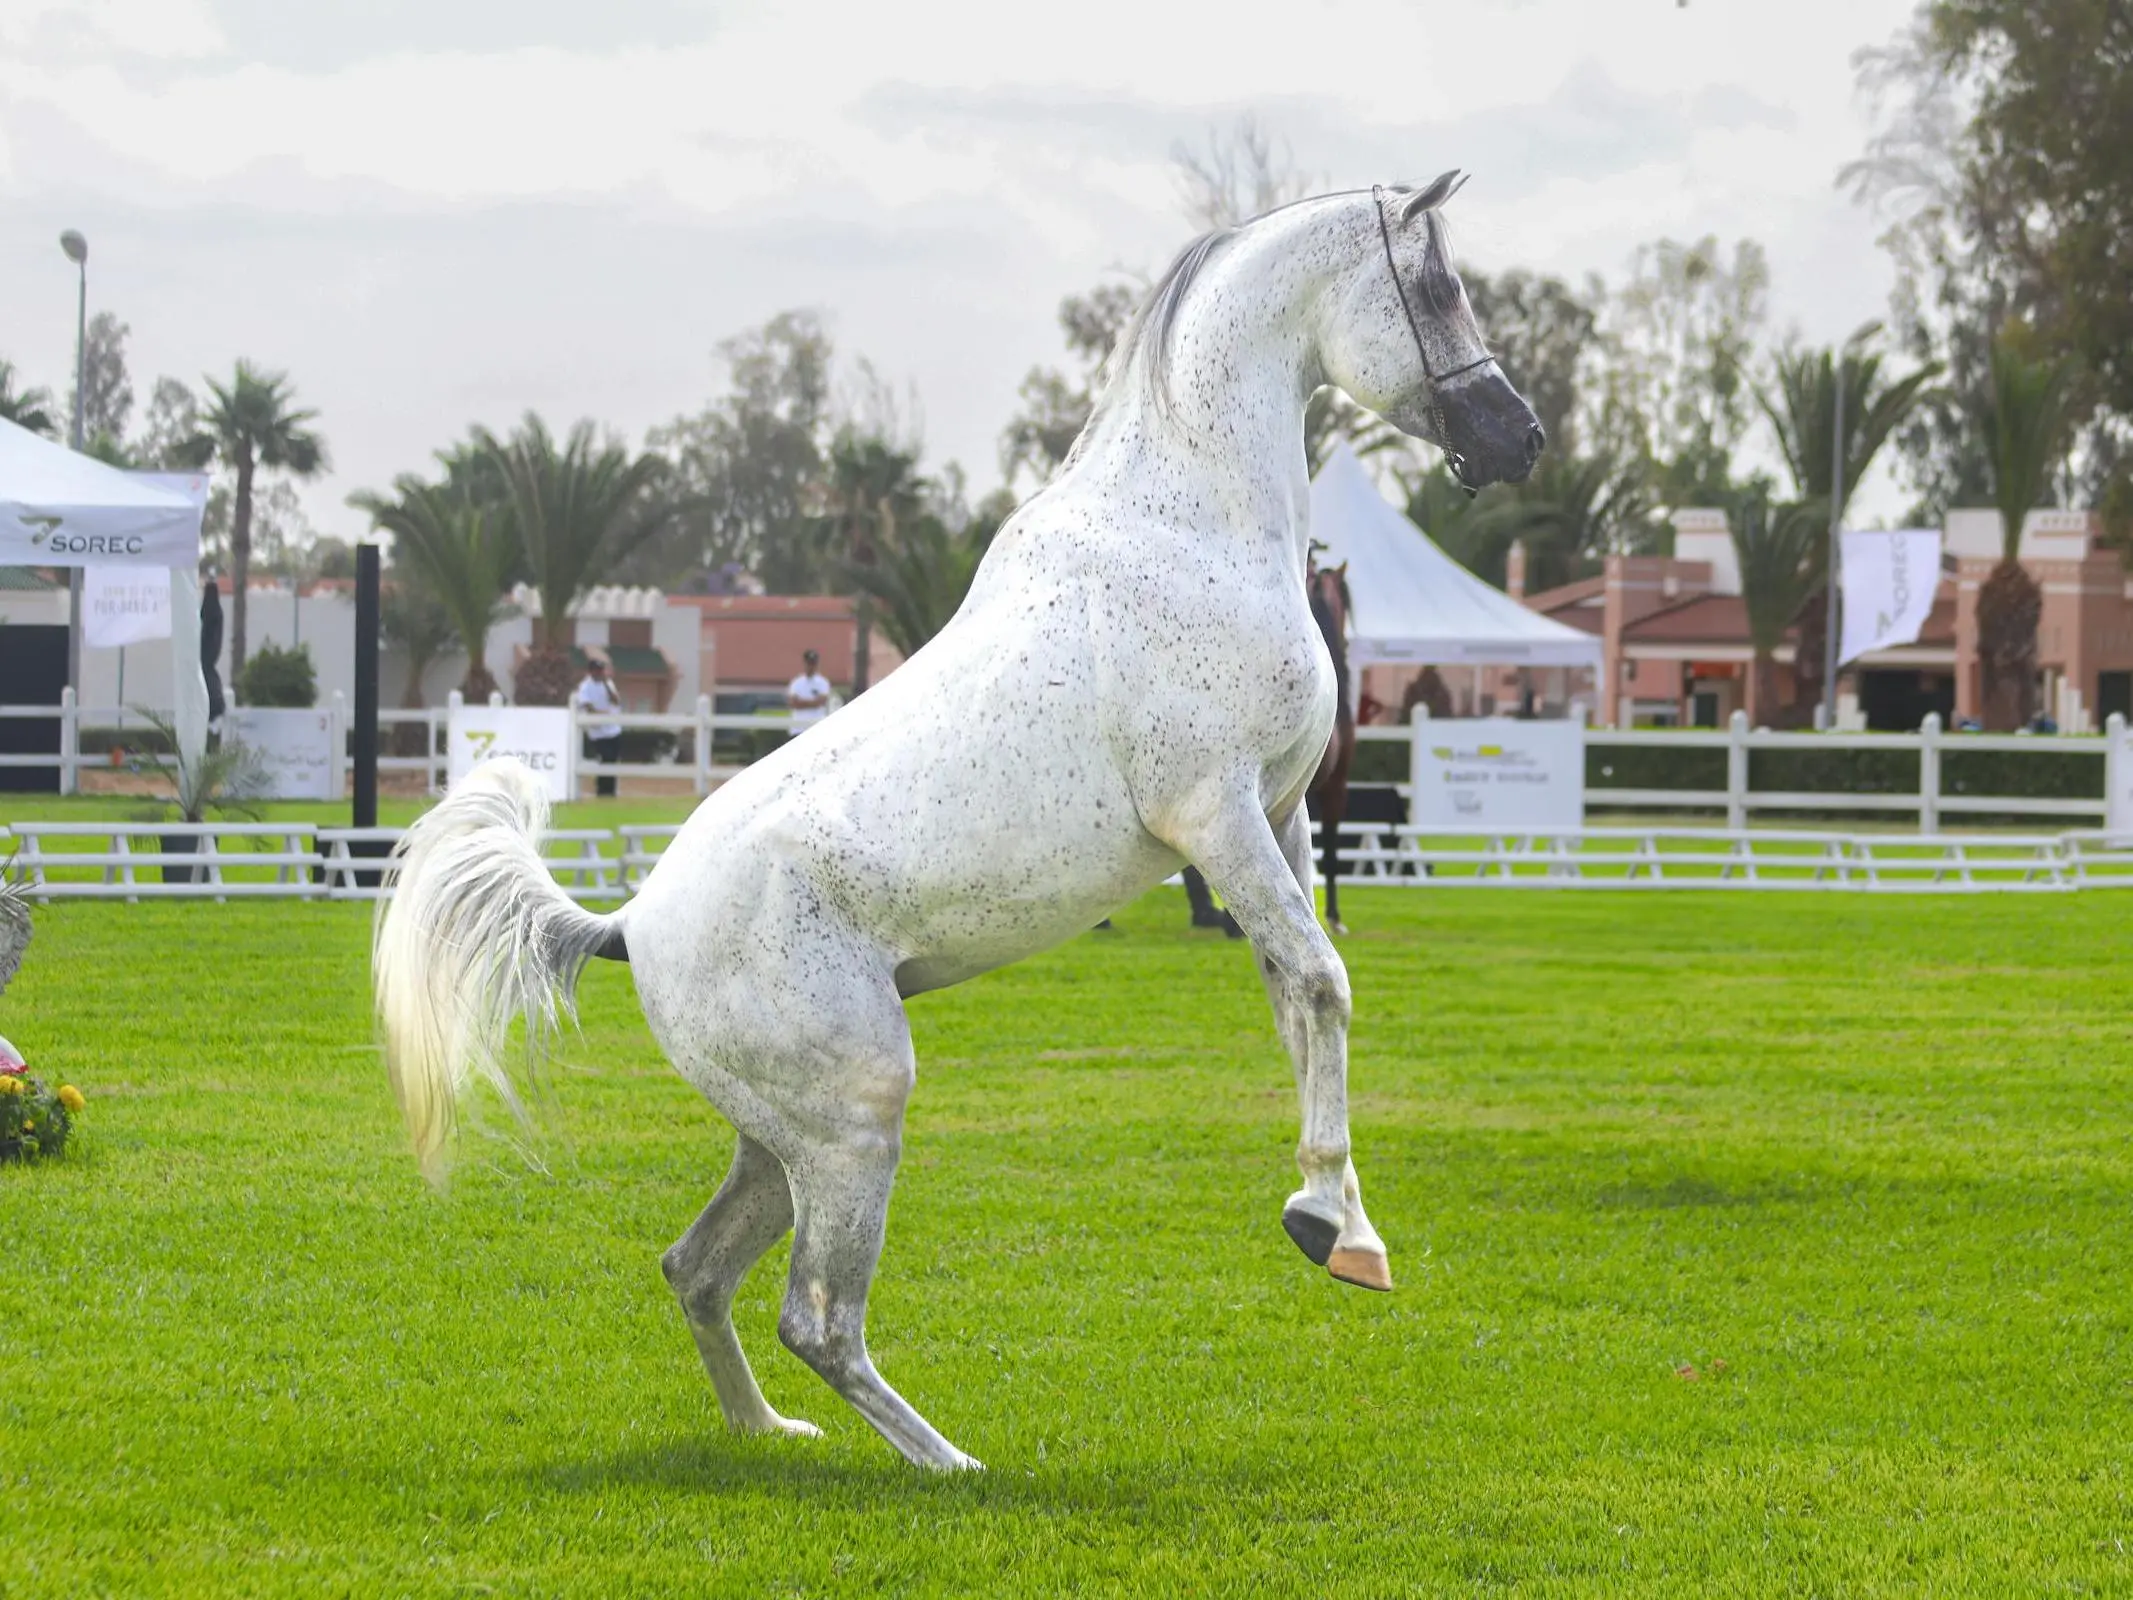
(1931,805)
(299,861)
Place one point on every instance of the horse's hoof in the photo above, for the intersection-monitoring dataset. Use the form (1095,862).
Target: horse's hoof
(1366,1269)
(1314,1235)
(1337,926)
(790,1427)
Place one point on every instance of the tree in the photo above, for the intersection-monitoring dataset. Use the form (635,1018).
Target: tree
(1774,545)
(578,512)
(412,617)
(456,552)
(26,408)
(1239,175)
(169,430)
(1570,514)
(109,391)
(1056,404)
(2051,96)
(1543,332)
(740,472)
(1800,401)
(2026,425)
(871,489)
(253,422)
(916,587)
(1679,341)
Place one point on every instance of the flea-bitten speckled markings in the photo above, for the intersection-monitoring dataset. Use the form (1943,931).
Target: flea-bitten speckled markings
(962,814)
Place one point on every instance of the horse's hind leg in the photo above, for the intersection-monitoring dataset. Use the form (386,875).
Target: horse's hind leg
(841,1203)
(749,1214)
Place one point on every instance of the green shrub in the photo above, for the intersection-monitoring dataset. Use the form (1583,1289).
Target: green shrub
(274,677)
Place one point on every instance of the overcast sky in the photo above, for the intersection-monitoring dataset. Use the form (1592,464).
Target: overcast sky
(436,212)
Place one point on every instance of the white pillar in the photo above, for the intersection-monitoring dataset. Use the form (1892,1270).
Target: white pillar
(1737,770)
(188,683)
(1929,773)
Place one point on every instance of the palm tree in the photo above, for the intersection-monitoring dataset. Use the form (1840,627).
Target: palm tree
(577,512)
(1801,405)
(461,553)
(918,585)
(412,617)
(250,423)
(1775,547)
(872,487)
(2025,420)
(26,408)
(1573,511)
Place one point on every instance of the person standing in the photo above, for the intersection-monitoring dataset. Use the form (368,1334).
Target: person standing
(808,696)
(597,694)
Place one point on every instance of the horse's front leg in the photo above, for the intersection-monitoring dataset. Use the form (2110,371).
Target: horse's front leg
(1265,880)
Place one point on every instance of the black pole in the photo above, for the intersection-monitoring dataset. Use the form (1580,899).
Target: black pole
(366,687)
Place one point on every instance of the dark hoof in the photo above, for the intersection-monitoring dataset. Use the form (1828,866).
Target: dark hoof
(1207,919)
(1314,1235)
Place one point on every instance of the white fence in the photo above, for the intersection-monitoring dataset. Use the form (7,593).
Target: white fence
(1929,808)
(694,762)
(299,861)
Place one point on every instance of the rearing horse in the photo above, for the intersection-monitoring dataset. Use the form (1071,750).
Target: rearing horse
(1329,786)
(1133,682)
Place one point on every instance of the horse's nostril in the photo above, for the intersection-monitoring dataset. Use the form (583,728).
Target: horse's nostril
(1536,441)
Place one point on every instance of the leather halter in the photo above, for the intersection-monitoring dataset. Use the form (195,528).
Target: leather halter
(1436,409)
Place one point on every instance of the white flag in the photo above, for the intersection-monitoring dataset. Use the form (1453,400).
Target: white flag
(1887,582)
(124,605)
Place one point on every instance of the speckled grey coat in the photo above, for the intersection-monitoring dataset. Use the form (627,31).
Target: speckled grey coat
(1134,682)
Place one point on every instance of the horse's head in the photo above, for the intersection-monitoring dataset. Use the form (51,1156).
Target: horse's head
(1404,342)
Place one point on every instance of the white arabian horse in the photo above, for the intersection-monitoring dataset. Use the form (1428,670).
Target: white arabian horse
(1135,682)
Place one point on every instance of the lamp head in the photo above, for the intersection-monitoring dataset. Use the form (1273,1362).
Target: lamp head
(76,247)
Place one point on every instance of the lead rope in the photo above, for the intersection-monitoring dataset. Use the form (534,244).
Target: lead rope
(1436,408)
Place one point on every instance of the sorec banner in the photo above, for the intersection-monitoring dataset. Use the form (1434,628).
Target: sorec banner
(295,750)
(1886,581)
(1484,773)
(540,736)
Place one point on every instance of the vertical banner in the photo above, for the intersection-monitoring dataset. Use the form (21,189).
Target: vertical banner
(541,736)
(294,747)
(1886,581)
(1484,773)
(124,605)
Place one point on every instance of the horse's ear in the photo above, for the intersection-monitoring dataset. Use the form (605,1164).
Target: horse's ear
(1434,194)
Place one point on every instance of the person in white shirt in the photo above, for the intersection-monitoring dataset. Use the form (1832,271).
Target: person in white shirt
(809,694)
(597,693)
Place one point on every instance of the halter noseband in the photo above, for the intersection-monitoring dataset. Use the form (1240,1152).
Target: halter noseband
(1436,409)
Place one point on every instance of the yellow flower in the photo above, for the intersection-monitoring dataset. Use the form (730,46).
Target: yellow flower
(10,1085)
(71,1097)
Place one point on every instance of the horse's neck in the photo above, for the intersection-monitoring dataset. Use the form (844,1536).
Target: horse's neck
(1242,364)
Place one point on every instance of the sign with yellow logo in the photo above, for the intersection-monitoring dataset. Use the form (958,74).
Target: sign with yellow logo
(1498,772)
(540,736)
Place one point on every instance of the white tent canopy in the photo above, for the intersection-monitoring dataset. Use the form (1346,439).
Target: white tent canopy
(59,508)
(1415,604)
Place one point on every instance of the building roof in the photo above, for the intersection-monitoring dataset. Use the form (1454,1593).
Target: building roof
(1701,619)
(634,660)
(805,607)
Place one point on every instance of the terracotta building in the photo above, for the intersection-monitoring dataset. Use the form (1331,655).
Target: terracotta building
(1676,649)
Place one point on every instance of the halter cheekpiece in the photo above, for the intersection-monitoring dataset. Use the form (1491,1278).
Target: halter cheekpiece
(1377,202)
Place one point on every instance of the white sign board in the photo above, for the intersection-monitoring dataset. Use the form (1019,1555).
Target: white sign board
(124,605)
(1484,773)
(1887,581)
(294,747)
(540,736)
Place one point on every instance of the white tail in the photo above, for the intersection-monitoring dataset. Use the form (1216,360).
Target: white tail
(476,932)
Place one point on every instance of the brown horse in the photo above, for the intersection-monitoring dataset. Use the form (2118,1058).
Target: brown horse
(1330,606)
(1328,591)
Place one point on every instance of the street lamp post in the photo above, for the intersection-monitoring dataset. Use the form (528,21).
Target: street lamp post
(77,249)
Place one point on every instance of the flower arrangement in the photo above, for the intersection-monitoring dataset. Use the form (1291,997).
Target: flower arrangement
(34,1119)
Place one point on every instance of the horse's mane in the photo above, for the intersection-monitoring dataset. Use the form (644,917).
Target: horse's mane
(1143,348)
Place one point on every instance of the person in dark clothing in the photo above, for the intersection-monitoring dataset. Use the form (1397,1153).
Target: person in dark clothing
(211,647)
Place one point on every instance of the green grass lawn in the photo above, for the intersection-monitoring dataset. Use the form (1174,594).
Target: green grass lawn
(1744,1247)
